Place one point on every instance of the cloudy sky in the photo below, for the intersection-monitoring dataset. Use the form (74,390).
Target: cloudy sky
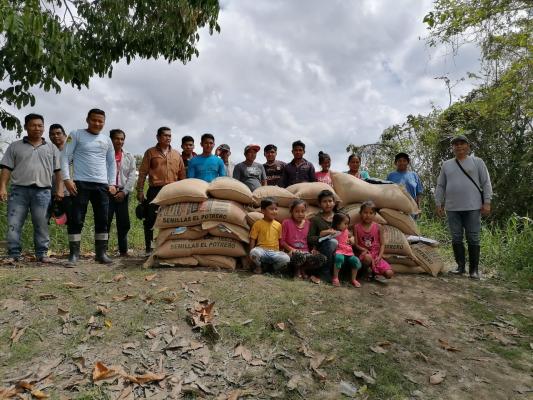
(328,73)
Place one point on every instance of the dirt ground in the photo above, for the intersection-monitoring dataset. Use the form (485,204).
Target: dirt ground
(124,332)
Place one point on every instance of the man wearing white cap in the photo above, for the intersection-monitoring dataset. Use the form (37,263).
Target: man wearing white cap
(249,172)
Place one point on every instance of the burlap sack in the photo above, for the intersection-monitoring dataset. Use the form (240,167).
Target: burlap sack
(397,259)
(400,220)
(223,262)
(186,190)
(283,214)
(226,188)
(309,191)
(396,242)
(179,262)
(209,245)
(225,229)
(312,211)
(188,214)
(253,216)
(182,232)
(428,258)
(406,269)
(353,190)
(282,195)
(352,210)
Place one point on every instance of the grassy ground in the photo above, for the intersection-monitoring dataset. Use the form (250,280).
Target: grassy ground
(303,340)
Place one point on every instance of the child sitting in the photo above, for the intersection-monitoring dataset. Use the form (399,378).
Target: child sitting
(294,241)
(344,253)
(264,239)
(369,241)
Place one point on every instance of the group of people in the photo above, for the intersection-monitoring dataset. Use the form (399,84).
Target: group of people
(62,176)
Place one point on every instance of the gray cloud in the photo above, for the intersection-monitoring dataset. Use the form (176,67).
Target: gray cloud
(329,73)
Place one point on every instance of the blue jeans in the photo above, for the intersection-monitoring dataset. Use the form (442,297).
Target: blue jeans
(327,248)
(467,222)
(21,200)
(277,259)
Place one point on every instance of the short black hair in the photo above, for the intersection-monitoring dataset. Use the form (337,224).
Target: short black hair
(269,147)
(114,132)
(325,193)
(296,203)
(186,139)
(207,136)
(352,156)
(267,202)
(323,157)
(32,116)
(95,111)
(298,143)
(402,155)
(162,129)
(338,218)
(56,126)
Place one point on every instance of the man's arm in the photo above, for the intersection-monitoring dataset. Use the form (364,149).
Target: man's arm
(440,190)
(129,174)
(111,167)
(67,156)
(486,186)
(5,174)
(237,172)
(263,176)
(143,171)
(181,169)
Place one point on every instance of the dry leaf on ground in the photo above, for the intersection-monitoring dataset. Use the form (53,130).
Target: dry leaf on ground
(123,297)
(11,305)
(437,377)
(16,334)
(101,372)
(412,321)
(446,346)
(119,277)
(367,378)
(149,278)
(39,394)
(280,326)
(72,285)
(201,314)
(242,351)
(47,296)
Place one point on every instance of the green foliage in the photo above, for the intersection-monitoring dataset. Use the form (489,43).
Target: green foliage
(46,43)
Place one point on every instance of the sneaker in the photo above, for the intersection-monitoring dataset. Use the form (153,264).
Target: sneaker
(355,283)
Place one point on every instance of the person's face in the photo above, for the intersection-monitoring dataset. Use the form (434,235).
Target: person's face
(298,213)
(298,152)
(118,141)
(57,137)
(224,154)
(326,164)
(164,139)
(461,148)
(367,215)
(271,212)
(354,164)
(270,155)
(327,204)
(401,165)
(250,155)
(343,225)
(208,145)
(35,128)
(188,148)
(95,123)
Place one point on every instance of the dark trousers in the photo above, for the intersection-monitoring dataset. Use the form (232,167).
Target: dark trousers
(150,216)
(120,209)
(97,194)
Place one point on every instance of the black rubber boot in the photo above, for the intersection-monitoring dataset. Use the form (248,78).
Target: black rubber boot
(473,260)
(459,253)
(100,248)
(74,255)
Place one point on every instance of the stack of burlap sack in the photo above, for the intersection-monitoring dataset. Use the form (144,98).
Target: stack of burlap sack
(207,224)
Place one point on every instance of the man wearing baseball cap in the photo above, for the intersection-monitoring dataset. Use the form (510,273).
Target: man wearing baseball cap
(249,172)
(464,192)
(224,151)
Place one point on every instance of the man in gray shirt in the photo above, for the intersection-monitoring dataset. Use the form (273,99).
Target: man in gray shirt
(30,164)
(249,172)
(464,193)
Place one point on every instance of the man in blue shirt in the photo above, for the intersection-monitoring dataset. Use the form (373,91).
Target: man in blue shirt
(206,166)
(409,179)
(93,159)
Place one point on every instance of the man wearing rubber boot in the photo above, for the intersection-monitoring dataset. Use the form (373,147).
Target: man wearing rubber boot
(94,173)
(463,193)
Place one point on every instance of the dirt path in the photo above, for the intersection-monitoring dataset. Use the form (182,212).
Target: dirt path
(273,337)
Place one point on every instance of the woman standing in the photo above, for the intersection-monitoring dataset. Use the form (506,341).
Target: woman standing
(354,163)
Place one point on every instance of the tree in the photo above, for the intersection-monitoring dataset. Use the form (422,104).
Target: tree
(44,43)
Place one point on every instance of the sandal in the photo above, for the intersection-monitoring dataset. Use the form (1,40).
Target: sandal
(355,283)
(335,282)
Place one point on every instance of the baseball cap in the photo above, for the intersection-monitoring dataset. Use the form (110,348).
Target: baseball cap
(460,138)
(224,147)
(269,147)
(254,147)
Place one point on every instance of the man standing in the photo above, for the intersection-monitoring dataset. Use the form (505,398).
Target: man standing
(30,164)
(124,182)
(224,151)
(163,165)
(206,166)
(464,192)
(187,145)
(93,161)
(249,172)
(299,169)
(273,168)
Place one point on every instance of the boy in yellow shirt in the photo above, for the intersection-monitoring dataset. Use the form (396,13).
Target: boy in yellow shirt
(264,239)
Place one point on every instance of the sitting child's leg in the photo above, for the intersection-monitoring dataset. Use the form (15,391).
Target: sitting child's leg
(256,255)
(278,259)
(298,259)
(355,265)
(383,268)
(327,248)
(339,262)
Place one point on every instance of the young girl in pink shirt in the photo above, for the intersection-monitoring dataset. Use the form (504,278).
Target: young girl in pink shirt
(370,242)
(294,241)
(324,160)
(344,253)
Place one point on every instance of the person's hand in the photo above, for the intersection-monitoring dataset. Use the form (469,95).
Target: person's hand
(440,211)
(58,196)
(3,194)
(112,190)
(71,187)
(119,197)
(140,196)
(314,252)
(485,209)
